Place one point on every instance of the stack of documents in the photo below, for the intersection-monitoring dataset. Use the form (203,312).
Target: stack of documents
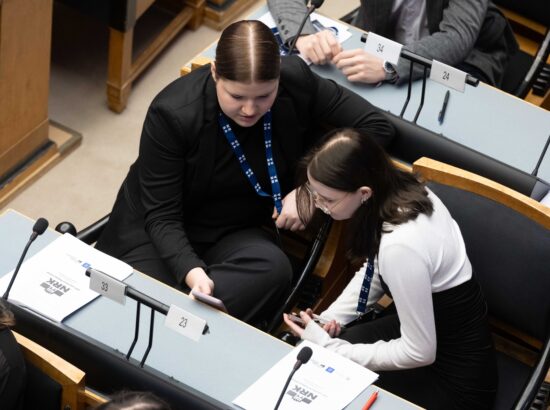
(327,381)
(53,282)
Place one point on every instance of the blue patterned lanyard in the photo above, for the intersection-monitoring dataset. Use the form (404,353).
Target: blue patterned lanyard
(365,287)
(238,151)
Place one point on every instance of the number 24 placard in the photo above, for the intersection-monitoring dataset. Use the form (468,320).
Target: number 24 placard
(448,76)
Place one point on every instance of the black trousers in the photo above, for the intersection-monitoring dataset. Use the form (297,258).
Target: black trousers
(464,374)
(420,386)
(251,274)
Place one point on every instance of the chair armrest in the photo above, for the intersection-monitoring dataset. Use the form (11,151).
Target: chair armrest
(536,379)
(436,171)
(90,234)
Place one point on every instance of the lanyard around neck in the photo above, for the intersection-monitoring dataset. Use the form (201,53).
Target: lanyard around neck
(365,287)
(239,153)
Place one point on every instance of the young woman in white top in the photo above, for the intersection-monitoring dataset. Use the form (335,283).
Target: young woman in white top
(433,347)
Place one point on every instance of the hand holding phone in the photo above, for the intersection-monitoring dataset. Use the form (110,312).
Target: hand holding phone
(332,327)
(298,320)
(209,300)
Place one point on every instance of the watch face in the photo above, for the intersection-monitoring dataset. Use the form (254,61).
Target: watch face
(391,74)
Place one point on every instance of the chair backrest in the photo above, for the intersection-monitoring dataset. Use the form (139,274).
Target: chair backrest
(412,142)
(52,382)
(530,21)
(536,10)
(507,238)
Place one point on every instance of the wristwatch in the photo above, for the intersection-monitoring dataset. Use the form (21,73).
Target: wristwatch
(391,73)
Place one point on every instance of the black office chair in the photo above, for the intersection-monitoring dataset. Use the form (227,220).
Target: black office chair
(526,71)
(350,17)
(507,238)
(88,235)
(303,270)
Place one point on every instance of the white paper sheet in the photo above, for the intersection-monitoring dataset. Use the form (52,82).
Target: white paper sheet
(327,381)
(339,29)
(53,282)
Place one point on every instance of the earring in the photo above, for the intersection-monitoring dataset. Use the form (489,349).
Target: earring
(363,200)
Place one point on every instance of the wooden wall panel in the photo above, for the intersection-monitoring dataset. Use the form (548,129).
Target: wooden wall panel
(25,39)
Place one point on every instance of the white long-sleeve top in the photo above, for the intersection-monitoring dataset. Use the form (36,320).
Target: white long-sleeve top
(415,259)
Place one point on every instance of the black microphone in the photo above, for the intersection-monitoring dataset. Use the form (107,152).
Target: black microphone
(315,4)
(38,229)
(303,357)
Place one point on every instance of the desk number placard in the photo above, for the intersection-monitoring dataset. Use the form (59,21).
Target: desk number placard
(185,323)
(448,76)
(382,47)
(108,286)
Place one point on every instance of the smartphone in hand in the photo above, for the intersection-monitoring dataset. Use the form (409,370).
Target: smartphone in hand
(209,300)
(296,319)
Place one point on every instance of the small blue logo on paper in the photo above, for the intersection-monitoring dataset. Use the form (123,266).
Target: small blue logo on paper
(329,369)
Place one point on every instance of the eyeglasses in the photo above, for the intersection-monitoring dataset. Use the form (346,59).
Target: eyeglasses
(320,202)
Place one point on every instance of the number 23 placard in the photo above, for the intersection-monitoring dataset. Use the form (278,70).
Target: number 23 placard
(185,323)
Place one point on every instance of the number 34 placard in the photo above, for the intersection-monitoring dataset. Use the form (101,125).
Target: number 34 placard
(383,48)
(448,76)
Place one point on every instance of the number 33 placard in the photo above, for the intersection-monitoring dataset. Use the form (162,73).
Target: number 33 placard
(108,286)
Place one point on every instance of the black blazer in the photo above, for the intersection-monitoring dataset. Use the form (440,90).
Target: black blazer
(169,180)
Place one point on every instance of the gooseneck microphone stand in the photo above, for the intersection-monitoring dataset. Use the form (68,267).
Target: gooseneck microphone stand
(315,4)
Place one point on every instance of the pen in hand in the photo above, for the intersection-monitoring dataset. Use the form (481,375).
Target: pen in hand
(441,115)
(370,401)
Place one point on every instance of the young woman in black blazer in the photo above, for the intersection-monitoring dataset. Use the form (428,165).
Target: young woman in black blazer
(216,161)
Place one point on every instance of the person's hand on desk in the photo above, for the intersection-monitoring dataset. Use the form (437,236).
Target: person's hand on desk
(359,66)
(319,48)
(288,219)
(197,279)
